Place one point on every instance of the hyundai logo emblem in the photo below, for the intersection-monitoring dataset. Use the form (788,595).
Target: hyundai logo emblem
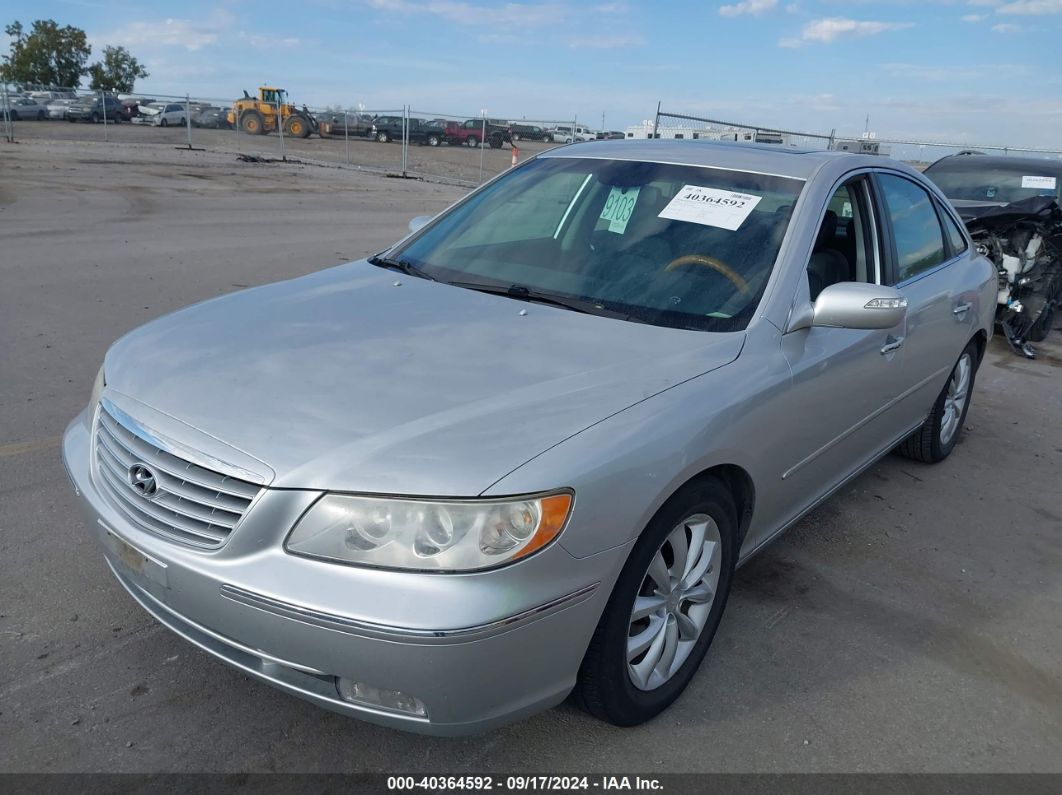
(143,481)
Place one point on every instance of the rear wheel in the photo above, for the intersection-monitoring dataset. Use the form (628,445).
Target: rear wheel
(937,436)
(664,609)
(434,140)
(251,122)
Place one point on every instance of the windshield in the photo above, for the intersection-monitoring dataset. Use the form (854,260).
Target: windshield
(999,184)
(671,245)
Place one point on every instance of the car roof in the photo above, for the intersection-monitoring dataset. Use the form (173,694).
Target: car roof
(978,162)
(762,158)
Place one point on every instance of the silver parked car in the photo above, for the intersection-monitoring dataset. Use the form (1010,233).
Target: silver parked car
(523,451)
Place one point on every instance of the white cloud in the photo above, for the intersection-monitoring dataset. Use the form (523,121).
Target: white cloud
(1007,28)
(1032,7)
(507,15)
(604,42)
(751,7)
(825,31)
(975,18)
(140,35)
(261,41)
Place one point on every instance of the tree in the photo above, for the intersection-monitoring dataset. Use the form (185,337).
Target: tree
(48,55)
(118,70)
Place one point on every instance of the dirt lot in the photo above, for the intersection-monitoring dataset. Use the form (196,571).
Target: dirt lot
(913,623)
(460,163)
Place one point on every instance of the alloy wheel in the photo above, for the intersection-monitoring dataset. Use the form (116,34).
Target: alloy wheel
(955,399)
(674,601)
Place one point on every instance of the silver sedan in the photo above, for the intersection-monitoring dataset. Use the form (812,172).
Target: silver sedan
(523,451)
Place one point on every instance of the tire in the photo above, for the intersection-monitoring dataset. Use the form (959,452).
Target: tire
(180,122)
(434,140)
(495,142)
(606,685)
(473,141)
(383,137)
(251,122)
(936,437)
(40,115)
(164,123)
(94,118)
(547,139)
(297,127)
(516,137)
(12,114)
(117,119)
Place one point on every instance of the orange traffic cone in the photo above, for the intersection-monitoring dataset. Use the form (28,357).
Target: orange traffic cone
(516,155)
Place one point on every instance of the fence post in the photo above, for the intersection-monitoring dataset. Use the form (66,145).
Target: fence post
(236,123)
(405,138)
(346,134)
(8,131)
(280,129)
(103,107)
(656,119)
(188,118)
(482,142)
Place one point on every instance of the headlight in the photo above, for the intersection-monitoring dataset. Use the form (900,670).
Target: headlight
(97,389)
(428,535)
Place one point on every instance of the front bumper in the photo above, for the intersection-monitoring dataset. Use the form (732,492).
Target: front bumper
(479,650)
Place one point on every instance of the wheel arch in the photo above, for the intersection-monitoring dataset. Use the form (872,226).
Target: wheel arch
(741,487)
(981,338)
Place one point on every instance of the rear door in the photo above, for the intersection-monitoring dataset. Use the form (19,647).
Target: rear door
(925,264)
(841,406)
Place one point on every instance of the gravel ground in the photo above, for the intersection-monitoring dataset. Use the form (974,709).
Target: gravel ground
(447,162)
(912,623)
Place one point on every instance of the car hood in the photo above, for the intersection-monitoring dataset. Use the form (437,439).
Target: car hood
(343,380)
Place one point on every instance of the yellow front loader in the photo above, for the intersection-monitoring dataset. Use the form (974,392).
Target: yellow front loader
(258,116)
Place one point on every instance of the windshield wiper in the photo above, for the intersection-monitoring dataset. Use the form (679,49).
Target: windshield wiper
(400,265)
(522,293)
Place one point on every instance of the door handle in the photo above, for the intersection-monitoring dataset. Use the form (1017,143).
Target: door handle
(961,309)
(892,344)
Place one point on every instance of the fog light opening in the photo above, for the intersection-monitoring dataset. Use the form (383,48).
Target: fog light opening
(393,700)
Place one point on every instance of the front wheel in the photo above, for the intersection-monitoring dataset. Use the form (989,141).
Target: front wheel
(383,137)
(936,437)
(164,123)
(473,141)
(664,609)
(434,140)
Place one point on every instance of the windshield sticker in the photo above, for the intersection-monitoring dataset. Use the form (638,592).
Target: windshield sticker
(1039,182)
(618,208)
(725,209)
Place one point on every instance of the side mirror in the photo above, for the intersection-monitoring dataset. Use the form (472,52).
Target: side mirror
(858,305)
(418,223)
(854,305)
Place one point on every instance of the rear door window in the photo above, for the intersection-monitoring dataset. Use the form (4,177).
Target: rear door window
(917,233)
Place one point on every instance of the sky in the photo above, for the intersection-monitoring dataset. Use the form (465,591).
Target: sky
(970,71)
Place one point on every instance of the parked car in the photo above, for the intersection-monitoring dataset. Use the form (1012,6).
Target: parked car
(390,128)
(340,125)
(645,362)
(473,132)
(530,132)
(45,97)
(57,108)
(212,118)
(563,134)
(613,135)
(24,109)
(1011,206)
(162,114)
(94,109)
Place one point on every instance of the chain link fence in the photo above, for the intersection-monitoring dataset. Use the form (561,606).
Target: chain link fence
(463,147)
(920,153)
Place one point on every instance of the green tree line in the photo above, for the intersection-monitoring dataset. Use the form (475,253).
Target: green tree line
(50,55)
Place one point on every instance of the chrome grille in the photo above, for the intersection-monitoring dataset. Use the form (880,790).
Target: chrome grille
(193,505)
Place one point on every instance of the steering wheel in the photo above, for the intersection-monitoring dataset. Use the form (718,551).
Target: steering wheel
(711,262)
